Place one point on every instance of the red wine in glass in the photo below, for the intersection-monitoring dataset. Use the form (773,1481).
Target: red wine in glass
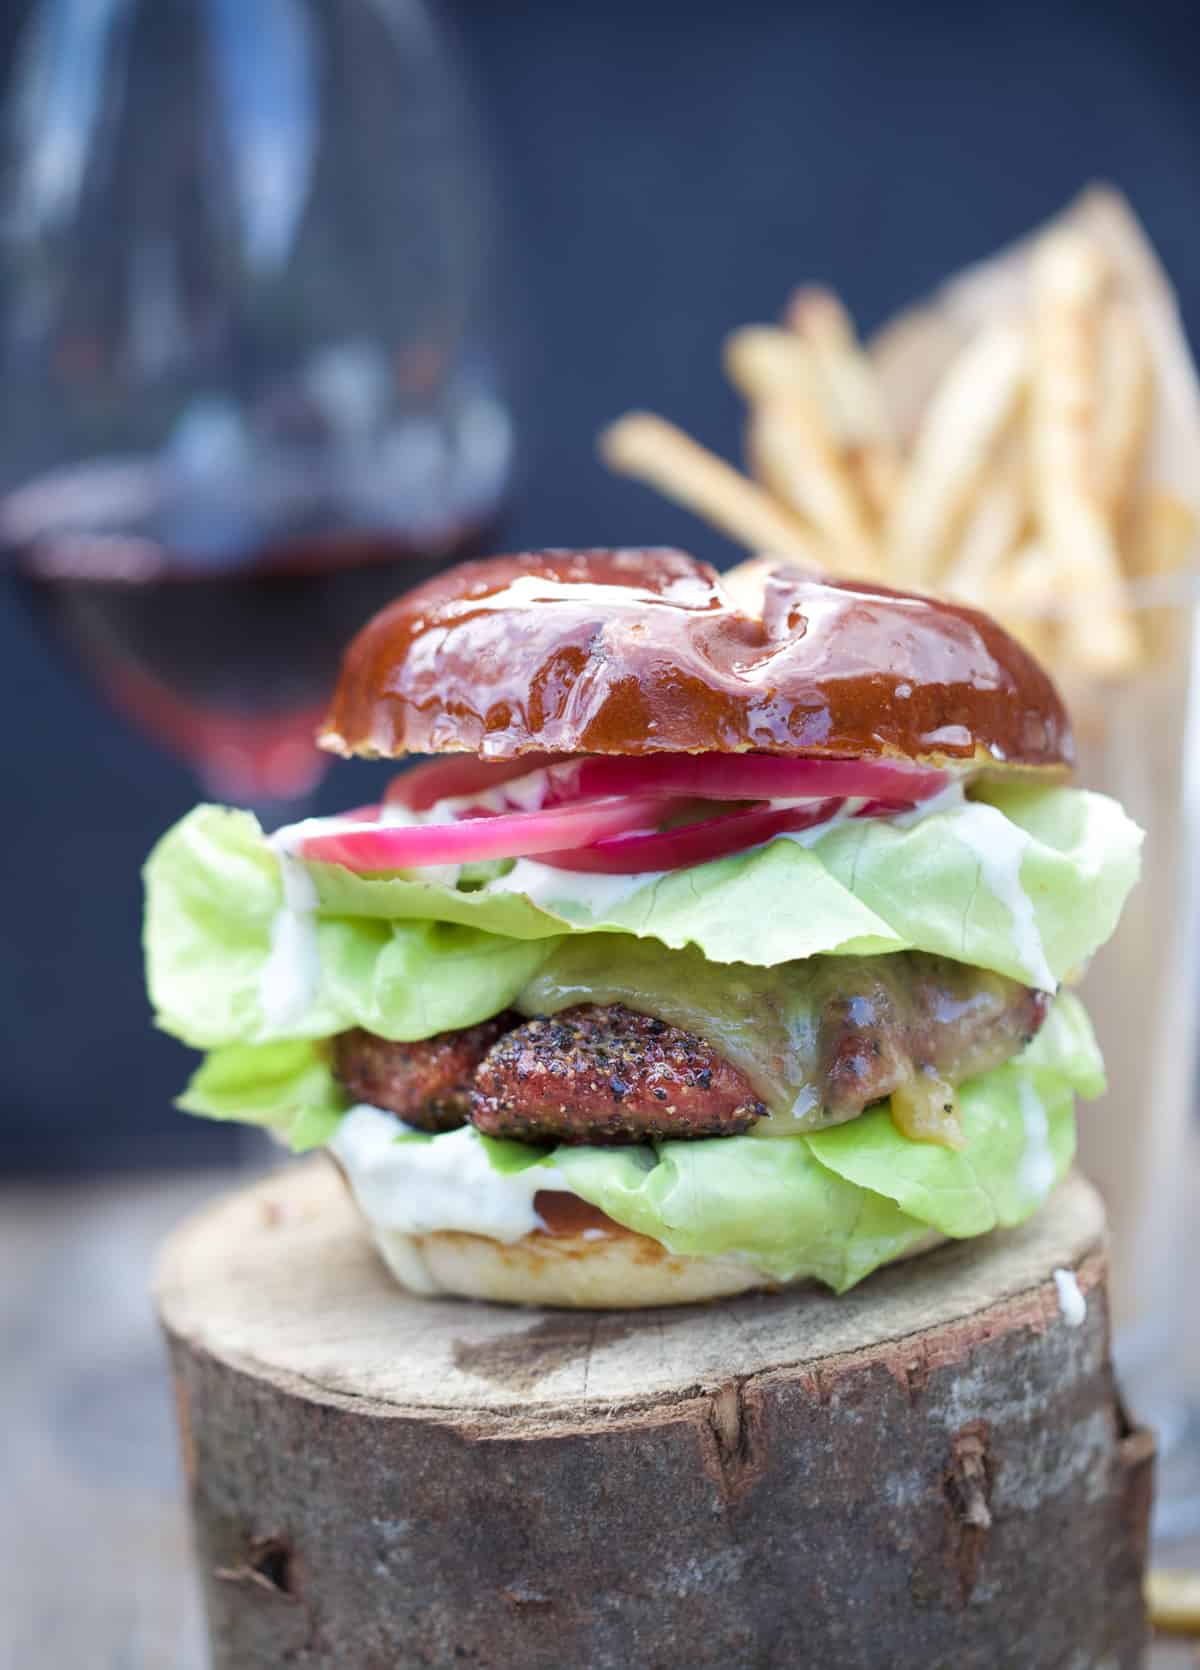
(226,655)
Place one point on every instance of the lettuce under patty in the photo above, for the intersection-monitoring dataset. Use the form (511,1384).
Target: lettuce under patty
(833,1205)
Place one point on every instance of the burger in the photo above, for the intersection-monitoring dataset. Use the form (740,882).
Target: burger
(724,940)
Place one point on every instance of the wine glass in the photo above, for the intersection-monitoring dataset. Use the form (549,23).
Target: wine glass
(246,327)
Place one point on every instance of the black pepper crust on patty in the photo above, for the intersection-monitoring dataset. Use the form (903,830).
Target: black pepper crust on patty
(428,1083)
(605,1074)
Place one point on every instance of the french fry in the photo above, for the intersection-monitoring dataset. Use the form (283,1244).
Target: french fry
(1161,541)
(1024,594)
(764,363)
(969,411)
(796,458)
(993,524)
(746,583)
(820,320)
(1068,280)
(1163,535)
(1173,1601)
(656,452)
(773,466)
(792,440)
(995,445)
(1123,407)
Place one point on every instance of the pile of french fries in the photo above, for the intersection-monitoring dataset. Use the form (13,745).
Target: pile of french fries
(1024,488)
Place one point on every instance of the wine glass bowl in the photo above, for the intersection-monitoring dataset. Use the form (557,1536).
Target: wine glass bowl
(246,331)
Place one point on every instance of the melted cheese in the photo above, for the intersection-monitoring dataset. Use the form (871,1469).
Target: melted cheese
(779,1025)
(565,891)
(926,1110)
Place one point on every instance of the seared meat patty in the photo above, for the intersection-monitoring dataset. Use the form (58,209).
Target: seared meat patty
(880,1026)
(910,1026)
(427,1083)
(604,1074)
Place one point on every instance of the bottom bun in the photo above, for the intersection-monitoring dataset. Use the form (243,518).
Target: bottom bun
(615,1270)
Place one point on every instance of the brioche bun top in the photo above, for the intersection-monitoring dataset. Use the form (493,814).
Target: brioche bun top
(650,651)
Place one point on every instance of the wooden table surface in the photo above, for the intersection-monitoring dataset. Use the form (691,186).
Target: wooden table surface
(95,1567)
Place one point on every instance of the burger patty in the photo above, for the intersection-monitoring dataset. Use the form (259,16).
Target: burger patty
(604,1074)
(877,1032)
(427,1084)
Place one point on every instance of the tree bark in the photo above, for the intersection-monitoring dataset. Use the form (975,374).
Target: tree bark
(932,1471)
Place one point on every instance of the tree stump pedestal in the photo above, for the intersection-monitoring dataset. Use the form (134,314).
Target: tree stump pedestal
(932,1471)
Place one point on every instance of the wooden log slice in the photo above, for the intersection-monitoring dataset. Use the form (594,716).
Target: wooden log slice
(933,1471)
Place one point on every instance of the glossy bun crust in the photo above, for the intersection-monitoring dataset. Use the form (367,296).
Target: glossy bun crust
(642,652)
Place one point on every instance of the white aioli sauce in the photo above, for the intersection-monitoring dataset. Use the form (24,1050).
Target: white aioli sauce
(809,837)
(292,972)
(949,799)
(419,1187)
(291,975)
(1071,1301)
(518,794)
(1037,1171)
(544,885)
(1000,847)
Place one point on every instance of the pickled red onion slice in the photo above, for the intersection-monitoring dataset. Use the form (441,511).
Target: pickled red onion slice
(555,779)
(755,777)
(884,808)
(459,774)
(506,835)
(695,843)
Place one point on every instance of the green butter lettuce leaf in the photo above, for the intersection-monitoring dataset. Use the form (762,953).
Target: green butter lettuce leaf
(1020,1134)
(1020,1129)
(212,895)
(838,1203)
(418,978)
(286,1087)
(948,883)
(411,898)
(770,1202)
(1066,1046)
(1025,880)
(705,906)
(836,1210)
(507,1157)
(1085,849)
(1028,881)
(212,891)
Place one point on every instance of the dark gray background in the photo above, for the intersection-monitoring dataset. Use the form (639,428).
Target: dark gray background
(671,170)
